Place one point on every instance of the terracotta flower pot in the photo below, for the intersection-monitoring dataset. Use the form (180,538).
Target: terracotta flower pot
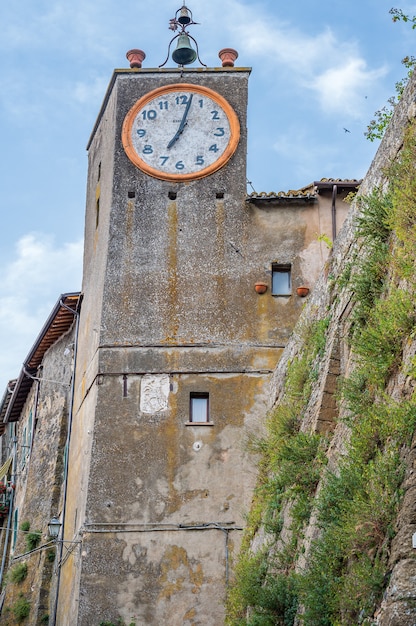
(135,57)
(302,291)
(260,287)
(228,56)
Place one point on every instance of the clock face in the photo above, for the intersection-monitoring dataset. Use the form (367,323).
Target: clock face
(180,132)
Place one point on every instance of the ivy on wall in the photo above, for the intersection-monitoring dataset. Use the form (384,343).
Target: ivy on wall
(357,505)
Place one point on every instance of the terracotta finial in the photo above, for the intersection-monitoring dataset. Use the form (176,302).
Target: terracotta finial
(228,56)
(135,57)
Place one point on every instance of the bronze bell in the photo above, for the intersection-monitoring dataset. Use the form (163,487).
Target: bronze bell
(184,17)
(184,53)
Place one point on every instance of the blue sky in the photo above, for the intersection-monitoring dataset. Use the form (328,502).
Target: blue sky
(317,68)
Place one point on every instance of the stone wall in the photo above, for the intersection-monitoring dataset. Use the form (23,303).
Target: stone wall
(323,413)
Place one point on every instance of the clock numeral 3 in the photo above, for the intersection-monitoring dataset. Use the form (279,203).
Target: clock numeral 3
(220,133)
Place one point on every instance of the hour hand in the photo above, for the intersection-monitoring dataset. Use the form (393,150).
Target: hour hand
(177,135)
(182,124)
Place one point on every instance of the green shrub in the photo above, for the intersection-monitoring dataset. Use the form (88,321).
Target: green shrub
(18,573)
(33,539)
(51,555)
(21,609)
(25,526)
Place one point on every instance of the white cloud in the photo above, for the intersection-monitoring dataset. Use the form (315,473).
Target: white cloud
(343,88)
(31,284)
(330,68)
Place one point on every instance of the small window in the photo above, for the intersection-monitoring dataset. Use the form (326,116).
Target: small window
(199,408)
(15,527)
(281,280)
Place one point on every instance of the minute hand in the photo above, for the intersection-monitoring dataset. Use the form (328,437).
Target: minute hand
(182,124)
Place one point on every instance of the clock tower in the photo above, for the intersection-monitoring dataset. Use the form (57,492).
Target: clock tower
(174,354)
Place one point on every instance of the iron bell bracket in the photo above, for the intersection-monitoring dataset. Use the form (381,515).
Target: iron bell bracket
(183,18)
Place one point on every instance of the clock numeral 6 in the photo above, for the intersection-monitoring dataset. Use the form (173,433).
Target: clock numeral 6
(180,165)
(148,150)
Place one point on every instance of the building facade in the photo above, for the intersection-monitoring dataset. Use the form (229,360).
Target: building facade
(189,294)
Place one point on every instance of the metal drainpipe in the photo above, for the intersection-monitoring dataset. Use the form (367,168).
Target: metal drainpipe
(68,439)
(34,416)
(9,517)
(334,212)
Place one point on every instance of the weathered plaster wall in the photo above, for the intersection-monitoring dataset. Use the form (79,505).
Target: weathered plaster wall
(169,304)
(39,479)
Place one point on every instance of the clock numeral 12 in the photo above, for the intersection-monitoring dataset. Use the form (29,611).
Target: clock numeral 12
(181,99)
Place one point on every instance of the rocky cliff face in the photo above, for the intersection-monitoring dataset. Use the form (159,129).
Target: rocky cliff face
(329,538)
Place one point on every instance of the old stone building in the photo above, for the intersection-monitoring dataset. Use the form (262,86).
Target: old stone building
(130,418)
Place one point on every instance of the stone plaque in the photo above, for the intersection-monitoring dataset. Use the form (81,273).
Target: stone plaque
(154,394)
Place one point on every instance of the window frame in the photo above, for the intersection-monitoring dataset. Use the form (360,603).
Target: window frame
(282,268)
(199,395)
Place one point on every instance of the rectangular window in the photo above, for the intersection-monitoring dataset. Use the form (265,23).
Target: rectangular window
(15,527)
(281,280)
(199,408)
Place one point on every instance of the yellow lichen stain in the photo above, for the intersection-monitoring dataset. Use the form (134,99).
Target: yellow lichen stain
(169,432)
(128,273)
(172,259)
(189,615)
(174,558)
(197,578)
(176,570)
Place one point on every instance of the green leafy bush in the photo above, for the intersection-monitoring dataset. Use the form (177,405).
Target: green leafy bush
(18,573)
(33,539)
(21,609)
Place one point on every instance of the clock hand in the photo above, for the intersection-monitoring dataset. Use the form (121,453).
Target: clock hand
(182,124)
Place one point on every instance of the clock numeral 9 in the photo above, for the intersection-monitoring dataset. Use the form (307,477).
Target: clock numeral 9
(141,132)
